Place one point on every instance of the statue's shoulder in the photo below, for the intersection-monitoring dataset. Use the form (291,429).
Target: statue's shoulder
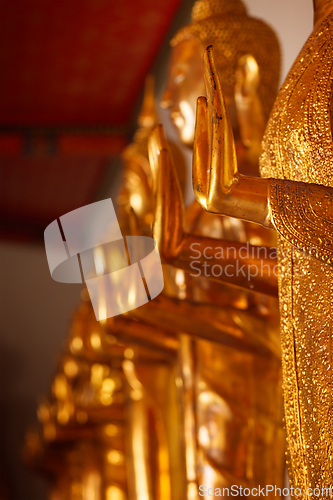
(298,140)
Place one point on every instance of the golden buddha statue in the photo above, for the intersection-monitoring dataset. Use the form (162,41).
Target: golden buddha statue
(248,62)
(118,376)
(234,356)
(82,446)
(252,453)
(243,45)
(295,197)
(104,434)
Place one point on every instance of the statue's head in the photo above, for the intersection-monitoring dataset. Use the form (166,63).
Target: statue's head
(226,25)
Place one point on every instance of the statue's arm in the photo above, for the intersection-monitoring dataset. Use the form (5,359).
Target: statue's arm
(247,266)
(302,213)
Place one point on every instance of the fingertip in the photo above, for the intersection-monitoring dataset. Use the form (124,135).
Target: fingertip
(210,73)
(201,116)
(157,139)
(161,137)
(209,48)
(152,136)
(209,51)
(208,56)
(201,102)
(156,130)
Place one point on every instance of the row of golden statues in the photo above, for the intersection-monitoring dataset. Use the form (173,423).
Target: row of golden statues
(214,382)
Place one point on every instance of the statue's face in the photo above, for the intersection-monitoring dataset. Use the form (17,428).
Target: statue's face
(185,84)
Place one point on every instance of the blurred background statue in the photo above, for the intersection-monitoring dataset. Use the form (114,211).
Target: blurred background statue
(233,348)
(115,397)
(103,431)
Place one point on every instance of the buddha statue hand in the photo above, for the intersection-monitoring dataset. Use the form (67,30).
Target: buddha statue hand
(176,245)
(218,186)
(169,222)
(274,203)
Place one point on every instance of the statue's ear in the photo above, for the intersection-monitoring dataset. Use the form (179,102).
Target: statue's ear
(247,76)
(248,105)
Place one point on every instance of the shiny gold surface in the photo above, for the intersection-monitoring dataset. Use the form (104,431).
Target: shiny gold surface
(115,392)
(223,190)
(176,245)
(200,399)
(227,26)
(101,412)
(301,150)
(298,202)
(232,358)
(186,390)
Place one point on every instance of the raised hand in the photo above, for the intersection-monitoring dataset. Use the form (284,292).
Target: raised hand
(174,244)
(218,186)
(169,206)
(214,154)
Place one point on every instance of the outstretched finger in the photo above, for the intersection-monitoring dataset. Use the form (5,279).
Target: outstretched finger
(223,152)
(201,160)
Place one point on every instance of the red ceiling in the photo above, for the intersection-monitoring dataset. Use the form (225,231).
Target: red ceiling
(71,74)
(77,62)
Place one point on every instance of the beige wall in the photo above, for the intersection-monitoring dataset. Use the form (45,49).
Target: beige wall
(292,20)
